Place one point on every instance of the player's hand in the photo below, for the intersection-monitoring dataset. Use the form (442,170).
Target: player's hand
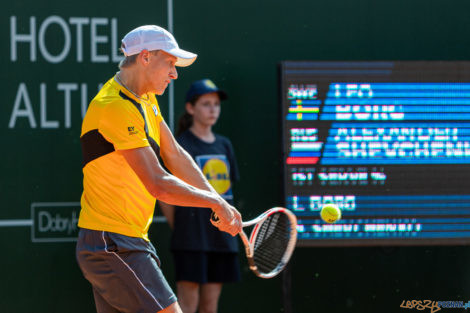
(229,219)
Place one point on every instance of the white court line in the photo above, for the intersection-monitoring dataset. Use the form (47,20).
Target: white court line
(12,223)
(19,223)
(159,219)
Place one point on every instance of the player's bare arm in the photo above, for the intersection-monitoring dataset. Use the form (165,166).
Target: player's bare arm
(172,190)
(168,211)
(181,164)
(164,186)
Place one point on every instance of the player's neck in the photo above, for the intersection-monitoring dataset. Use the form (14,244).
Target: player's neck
(132,82)
(203,132)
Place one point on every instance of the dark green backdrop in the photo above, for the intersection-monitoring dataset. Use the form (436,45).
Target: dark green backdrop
(240,44)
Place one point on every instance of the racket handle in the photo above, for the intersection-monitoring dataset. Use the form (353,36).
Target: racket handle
(214,219)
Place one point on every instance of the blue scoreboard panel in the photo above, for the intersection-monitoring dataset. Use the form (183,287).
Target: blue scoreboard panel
(388,142)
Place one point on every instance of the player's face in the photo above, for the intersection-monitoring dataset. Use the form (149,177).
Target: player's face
(161,70)
(206,110)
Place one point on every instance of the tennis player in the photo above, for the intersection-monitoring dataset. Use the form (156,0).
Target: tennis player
(122,134)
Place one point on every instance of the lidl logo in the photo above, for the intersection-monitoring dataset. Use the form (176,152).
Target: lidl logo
(217,171)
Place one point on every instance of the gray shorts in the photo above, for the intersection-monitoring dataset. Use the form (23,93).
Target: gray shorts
(124,272)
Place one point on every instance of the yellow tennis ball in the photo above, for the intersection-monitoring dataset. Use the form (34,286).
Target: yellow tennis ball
(330,213)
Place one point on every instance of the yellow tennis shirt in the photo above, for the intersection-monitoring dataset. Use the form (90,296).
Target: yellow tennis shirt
(114,199)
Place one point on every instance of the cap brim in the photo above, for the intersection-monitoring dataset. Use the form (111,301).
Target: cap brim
(185,58)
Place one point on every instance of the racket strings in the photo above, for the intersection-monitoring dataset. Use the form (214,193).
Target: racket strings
(271,242)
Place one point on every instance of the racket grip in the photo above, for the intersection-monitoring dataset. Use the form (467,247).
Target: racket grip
(214,219)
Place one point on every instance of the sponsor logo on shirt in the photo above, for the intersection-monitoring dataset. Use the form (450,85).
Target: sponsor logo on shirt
(155,110)
(132,131)
(216,169)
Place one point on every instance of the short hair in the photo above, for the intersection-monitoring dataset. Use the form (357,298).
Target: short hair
(131,59)
(128,61)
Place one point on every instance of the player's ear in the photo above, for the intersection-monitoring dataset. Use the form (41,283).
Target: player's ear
(144,57)
(189,108)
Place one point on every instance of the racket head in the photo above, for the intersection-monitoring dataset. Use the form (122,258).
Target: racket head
(272,242)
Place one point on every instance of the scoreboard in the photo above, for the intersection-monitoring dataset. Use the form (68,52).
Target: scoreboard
(388,142)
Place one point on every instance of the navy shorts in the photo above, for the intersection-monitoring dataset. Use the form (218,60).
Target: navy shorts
(124,272)
(206,267)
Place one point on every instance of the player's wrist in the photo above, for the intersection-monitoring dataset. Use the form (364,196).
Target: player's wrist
(218,206)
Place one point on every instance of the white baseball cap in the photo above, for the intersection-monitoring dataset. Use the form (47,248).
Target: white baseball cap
(153,37)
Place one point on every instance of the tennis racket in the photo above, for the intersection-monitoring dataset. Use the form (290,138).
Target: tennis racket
(271,242)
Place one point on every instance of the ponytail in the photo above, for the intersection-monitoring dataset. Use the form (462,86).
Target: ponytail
(184,123)
(186,120)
